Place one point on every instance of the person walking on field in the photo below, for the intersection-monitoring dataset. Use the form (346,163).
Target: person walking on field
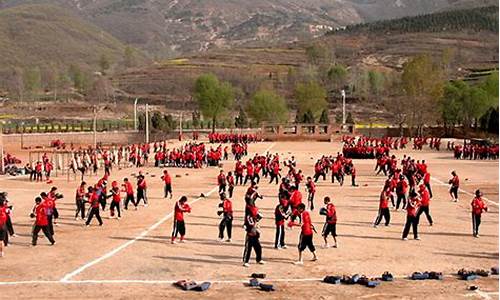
(221,182)
(454,186)
(167,180)
(330,226)
(478,206)
(129,190)
(311,190)
(230,183)
(306,234)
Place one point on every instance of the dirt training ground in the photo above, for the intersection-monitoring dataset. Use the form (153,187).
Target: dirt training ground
(132,257)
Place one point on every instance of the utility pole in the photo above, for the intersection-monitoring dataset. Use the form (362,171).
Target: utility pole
(180,125)
(95,127)
(147,123)
(22,135)
(135,113)
(343,107)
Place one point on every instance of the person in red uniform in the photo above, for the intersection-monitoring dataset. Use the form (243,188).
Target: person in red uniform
(80,200)
(252,241)
(141,190)
(250,172)
(129,190)
(306,234)
(383,209)
(454,186)
(401,189)
(167,180)
(54,196)
(3,225)
(311,190)
(238,172)
(115,200)
(427,183)
(49,204)
(41,222)
(478,206)
(179,227)
(330,226)
(353,176)
(221,182)
(411,216)
(295,201)
(230,183)
(226,212)
(94,206)
(280,215)
(424,204)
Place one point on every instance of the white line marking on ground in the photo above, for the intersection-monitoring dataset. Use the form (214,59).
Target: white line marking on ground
(68,276)
(269,148)
(463,191)
(234,281)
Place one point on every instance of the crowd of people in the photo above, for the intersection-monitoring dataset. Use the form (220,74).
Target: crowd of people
(474,151)
(363,147)
(216,138)
(407,186)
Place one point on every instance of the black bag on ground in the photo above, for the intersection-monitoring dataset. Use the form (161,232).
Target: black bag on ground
(332,279)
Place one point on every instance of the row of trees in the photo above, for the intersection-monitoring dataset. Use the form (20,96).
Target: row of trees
(215,98)
(418,96)
(482,18)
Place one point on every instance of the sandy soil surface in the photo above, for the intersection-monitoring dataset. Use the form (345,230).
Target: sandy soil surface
(132,257)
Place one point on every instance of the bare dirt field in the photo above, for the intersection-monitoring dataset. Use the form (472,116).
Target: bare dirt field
(132,258)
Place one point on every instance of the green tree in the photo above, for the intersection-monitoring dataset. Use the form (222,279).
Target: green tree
(422,81)
(267,106)
(104,63)
(324,119)
(196,118)
(376,81)
(308,117)
(213,97)
(349,119)
(310,96)
(490,86)
(33,81)
(450,104)
(129,57)
(241,121)
(318,54)
(337,75)
(81,80)
(157,121)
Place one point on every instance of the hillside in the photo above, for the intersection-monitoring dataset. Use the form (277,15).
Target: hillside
(34,35)
(169,83)
(169,28)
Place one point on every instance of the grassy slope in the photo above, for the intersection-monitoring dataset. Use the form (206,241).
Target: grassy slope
(41,34)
